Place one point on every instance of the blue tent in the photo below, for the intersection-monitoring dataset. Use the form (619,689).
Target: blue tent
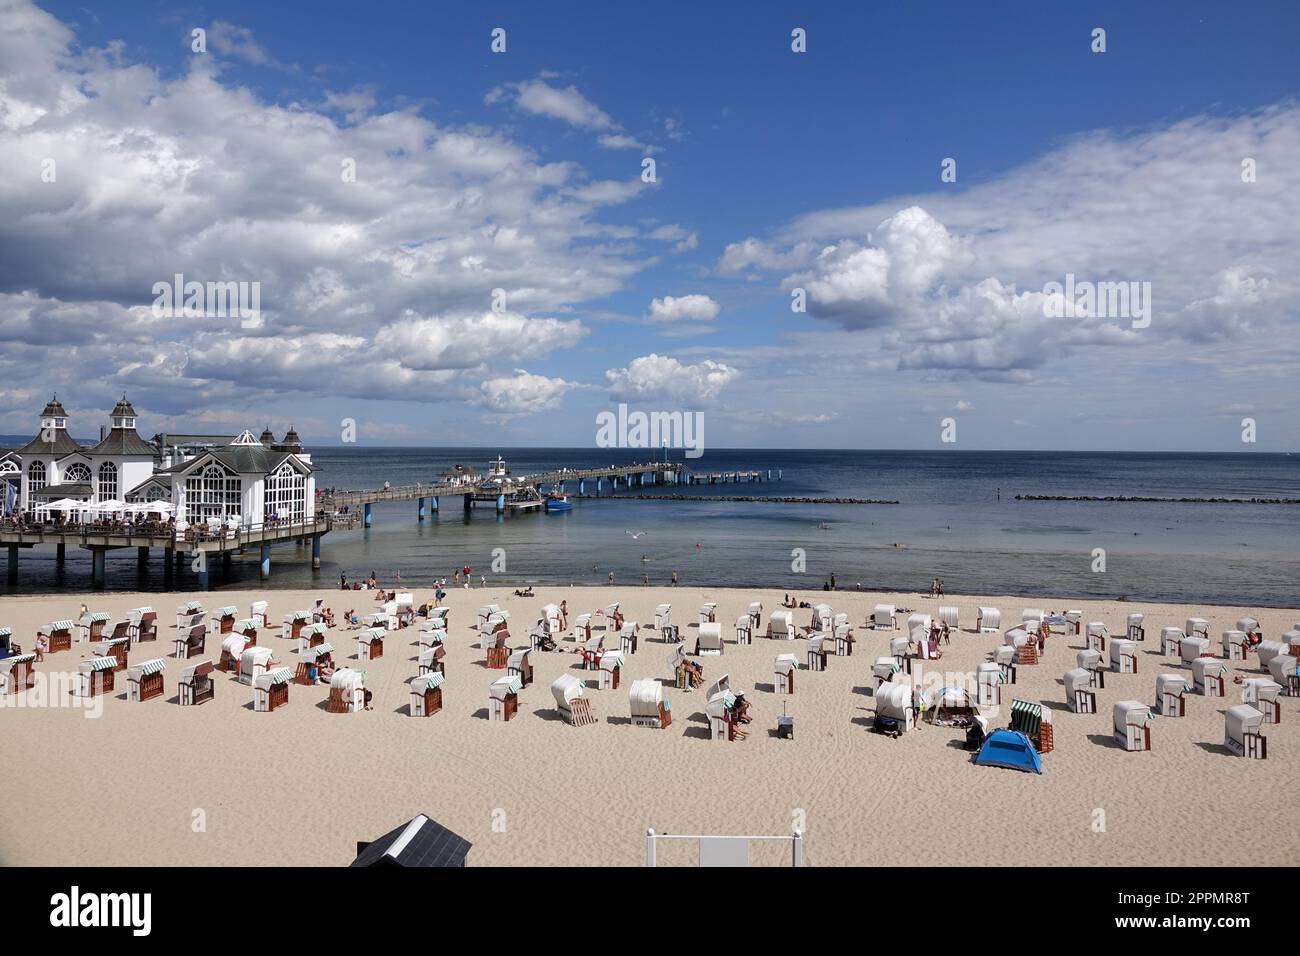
(1012,749)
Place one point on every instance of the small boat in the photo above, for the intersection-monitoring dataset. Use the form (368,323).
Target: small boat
(558,503)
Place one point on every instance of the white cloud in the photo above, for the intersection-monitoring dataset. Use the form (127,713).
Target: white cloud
(657,377)
(684,308)
(523,393)
(683,239)
(563,103)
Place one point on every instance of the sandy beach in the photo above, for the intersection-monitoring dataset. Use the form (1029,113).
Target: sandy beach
(301,786)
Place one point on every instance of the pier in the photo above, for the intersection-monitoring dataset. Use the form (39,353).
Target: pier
(200,549)
(508,493)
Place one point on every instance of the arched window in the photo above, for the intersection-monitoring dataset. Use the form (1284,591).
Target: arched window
(215,492)
(77,474)
(36,476)
(286,494)
(107,481)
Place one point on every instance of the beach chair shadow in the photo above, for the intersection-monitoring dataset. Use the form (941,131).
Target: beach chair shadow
(865,691)
(1106,740)
(1213,748)
(619,721)
(248,706)
(548,713)
(866,719)
(404,710)
(765,688)
(480,714)
(1057,705)
(699,733)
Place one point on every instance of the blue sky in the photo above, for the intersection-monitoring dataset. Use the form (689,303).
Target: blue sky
(775,171)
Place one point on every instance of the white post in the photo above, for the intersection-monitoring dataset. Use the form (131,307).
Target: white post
(797,848)
(650,847)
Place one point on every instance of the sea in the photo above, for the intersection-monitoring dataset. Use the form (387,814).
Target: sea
(957,518)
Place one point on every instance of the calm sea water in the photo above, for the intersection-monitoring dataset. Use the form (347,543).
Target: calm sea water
(950,523)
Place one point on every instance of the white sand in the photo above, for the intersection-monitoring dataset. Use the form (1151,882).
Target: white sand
(301,786)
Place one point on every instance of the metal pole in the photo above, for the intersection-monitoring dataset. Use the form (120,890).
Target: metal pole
(797,849)
(650,847)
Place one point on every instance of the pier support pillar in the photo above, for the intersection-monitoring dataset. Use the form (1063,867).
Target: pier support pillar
(582,486)
(600,486)
(315,552)
(142,556)
(97,567)
(11,574)
(60,554)
(365,517)
(501,504)
(433,504)
(225,561)
(202,576)
(266,555)
(420,509)
(168,565)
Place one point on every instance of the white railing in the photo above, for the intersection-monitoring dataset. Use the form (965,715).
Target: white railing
(717,850)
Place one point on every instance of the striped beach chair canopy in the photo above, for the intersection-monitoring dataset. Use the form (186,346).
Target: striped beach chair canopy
(371,634)
(246,624)
(94,617)
(503,687)
(9,662)
(1026,717)
(230,611)
(111,643)
(299,616)
(5,632)
(317,652)
(54,627)
(96,664)
(321,628)
(189,607)
(145,668)
(427,683)
(278,675)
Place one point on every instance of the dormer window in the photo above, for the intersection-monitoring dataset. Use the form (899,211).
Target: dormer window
(123,422)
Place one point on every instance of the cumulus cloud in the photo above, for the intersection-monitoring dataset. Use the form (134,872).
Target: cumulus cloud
(563,103)
(377,243)
(683,308)
(523,393)
(683,239)
(657,377)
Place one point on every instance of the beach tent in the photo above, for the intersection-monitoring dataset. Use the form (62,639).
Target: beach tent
(195,685)
(883,618)
(709,641)
(1194,647)
(988,683)
(1078,691)
(1249,625)
(1010,749)
(1032,618)
(294,622)
(184,612)
(919,621)
(90,626)
(1004,655)
(901,648)
(519,665)
(271,689)
(1171,640)
(1097,634)
(313,635)
(1263,694)
(1234,645)
(1170,689)
(421,842)
(649,706)
(319,657)
(142,624)
(884,670)
(347,691)
(988,620)
(1242,732)
(744,629)
(485,614)
(784,668)
(431,660)
(755,612)
(1136,630)
(1016,637)
(949,706)
(1123,656)
(145,680)
(254,662)
(1197,627)
(817,653)
(893,709)
(1210,676)
(426,694)
(247,628)
(822,617)
(1075,618)
(720,711)
(1132,724)
(582,627)
(431,634)
(951,616)
(780,625)
(115,649)
(611,667)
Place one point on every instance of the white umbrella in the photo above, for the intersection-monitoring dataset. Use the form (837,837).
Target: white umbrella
(159,506)
(109,507)
(67,504)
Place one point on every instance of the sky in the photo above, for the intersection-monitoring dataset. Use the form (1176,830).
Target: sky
(862,244)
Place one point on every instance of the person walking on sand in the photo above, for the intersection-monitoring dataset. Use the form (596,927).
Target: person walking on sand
(611,578)
(674,579)
(645,580)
